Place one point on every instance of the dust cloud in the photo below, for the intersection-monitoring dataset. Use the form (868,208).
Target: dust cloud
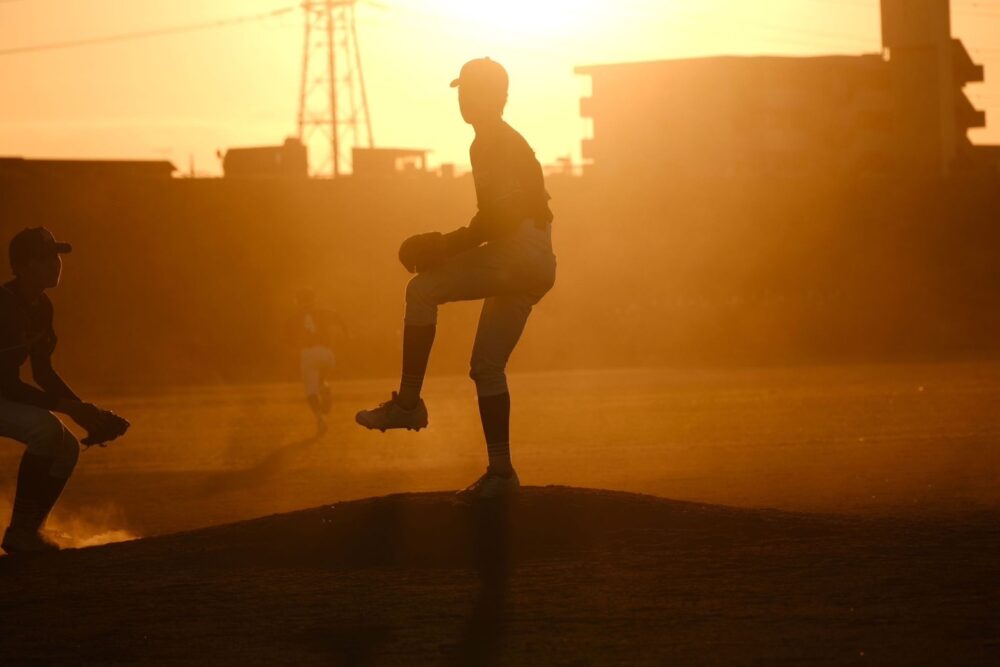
(79,527)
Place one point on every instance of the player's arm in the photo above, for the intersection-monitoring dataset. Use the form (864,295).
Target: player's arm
(471,236)
(48,379)
(477,231)
(11,386)
(17,391)
(426,251)
(42,371)
(58,395)
(101,425)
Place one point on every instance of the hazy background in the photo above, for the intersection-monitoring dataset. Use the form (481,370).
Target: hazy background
(181,281)
(782,339)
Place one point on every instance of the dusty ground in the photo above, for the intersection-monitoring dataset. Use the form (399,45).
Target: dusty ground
(569,577)
(912,439)
(906,455)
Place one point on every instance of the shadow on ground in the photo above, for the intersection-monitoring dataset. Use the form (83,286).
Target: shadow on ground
(266,470)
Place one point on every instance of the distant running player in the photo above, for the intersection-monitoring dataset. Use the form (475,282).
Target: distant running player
(504,256)
(26,411)
(311,329)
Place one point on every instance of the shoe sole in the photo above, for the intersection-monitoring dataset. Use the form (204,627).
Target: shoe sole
(14,551)
(383,430)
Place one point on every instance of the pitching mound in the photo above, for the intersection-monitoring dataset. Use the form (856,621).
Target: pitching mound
(562,576)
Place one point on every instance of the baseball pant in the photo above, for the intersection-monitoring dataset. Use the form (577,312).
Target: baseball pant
(511,275)
(43,434)
(317,362)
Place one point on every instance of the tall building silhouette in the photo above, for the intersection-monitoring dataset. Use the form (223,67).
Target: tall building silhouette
(902,111)
(928,71)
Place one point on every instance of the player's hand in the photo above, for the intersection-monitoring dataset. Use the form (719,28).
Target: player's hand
(87,415)
(109,427)
(423,251)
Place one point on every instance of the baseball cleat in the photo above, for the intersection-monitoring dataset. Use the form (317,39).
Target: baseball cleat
(493,486)
(392,414)
(27,542)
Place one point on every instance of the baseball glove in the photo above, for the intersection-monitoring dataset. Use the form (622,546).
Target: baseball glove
(423,251)
(111,426)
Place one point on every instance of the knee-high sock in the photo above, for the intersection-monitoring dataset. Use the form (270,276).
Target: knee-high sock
(37,493)
(417,343)
(494,411)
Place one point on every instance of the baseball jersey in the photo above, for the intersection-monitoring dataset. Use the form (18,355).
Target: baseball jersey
(510,187)
(313,327)
(26,331)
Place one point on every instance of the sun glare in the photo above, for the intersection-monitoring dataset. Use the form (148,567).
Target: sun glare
(525,18)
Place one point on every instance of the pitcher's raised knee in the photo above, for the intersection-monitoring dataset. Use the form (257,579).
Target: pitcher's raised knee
(421,301)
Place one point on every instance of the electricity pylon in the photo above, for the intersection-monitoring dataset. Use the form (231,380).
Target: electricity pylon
(333,106)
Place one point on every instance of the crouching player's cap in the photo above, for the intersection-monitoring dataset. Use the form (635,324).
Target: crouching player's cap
(35,243)
(483,73)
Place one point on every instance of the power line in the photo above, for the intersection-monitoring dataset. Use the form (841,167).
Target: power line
(791,34)
(970,9)
(847,3)
(815,33)
(143,34)
(982,5)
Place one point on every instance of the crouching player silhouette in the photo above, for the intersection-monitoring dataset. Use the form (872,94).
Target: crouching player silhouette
(504,256)
(26,411)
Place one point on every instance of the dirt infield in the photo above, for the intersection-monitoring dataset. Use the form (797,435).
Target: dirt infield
(886,439)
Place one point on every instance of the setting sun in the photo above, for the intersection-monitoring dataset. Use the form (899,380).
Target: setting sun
(524,18)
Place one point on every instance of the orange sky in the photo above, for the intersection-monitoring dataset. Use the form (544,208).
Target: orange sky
(184,96)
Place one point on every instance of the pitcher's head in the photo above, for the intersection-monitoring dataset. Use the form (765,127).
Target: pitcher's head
(482,90)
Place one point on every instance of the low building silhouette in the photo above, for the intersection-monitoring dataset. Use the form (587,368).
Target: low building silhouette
(86,169)
(388,162)
(286,161)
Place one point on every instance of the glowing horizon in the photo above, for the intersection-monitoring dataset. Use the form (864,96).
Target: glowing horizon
(183,97)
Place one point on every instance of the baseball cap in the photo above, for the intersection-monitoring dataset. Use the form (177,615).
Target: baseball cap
(35,243)
(482,72)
